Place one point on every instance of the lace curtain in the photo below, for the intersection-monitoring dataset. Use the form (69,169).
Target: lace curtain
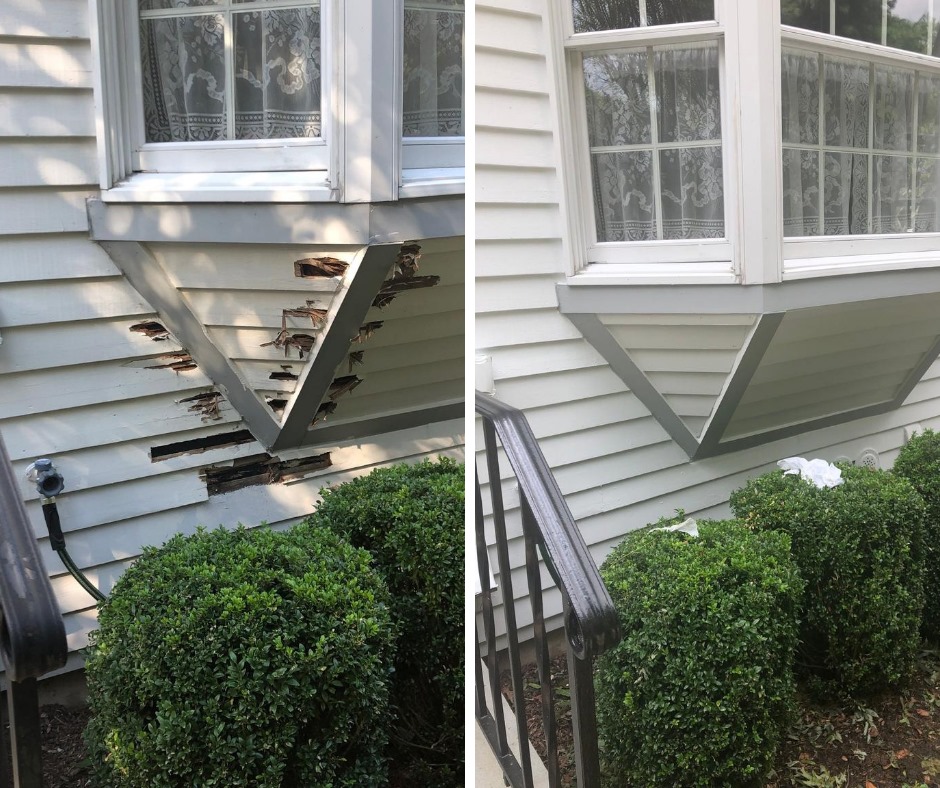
(274,92)
(433,70)
(656,148)
(849,165)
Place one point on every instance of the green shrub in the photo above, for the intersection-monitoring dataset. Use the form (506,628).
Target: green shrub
(859,547)
(242,658)
(411,518)
(919,463)
(700,690)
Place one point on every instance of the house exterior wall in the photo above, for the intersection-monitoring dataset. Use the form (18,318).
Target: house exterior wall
(616,466)
(74,378)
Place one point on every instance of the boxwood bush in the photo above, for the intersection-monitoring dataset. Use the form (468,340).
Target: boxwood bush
(700,690)
(859,547)
(411,518)
(919,463)
(242,658)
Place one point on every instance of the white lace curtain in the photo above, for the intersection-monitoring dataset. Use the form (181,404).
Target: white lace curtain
(656,149)
(273,92)
(433,69)
(849,162)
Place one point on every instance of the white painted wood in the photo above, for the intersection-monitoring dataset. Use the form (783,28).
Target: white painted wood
(34,63)
(42,211)
(54,256)
(45,19)
(43,303)
(25,113)
(49,163)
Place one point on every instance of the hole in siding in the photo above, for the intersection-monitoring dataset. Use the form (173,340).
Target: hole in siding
(277,405)
(179,361)
(284,374)
(355,358)
(260,469)
(151,328)
(326,409)
(393,287)
(343,385)
(366,331)
(199,445)
(286,340)
(207,405)
(317,316)
(316,267)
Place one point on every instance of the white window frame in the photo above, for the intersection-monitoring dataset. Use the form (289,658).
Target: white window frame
(705,260)
(823,255)
(361,74)
(431,165)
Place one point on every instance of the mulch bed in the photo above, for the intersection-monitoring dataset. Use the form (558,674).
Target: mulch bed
(889,742)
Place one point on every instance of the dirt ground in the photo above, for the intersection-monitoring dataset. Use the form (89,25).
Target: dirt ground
(888,742)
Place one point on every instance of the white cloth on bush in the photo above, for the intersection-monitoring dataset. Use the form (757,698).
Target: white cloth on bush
(819,472)
(687,526)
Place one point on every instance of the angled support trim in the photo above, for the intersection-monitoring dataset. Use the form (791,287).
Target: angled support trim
(149,279)
(624,367)
(365,275)
(728,401)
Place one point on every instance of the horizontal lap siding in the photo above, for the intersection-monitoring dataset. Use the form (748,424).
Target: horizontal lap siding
(616,466)
(74,382)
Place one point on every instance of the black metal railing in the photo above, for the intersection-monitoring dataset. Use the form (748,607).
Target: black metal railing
(591,624)
(32,633)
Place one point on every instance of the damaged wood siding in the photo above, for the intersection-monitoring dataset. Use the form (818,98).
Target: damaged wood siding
(616,466)
(87,376)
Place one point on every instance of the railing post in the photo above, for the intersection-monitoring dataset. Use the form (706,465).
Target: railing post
(23,702)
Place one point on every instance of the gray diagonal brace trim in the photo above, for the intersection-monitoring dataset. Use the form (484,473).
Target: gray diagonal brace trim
(914,376)
(730,398)
(367,272)
(331,434)
(149,279)
(624,367)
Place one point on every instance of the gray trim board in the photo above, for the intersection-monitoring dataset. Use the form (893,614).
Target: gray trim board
(626,369)
(380,425)
(728,401)
(351,307)
(149,279)
(599,298)
(335,224)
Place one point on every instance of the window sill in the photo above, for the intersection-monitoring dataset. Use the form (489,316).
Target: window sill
(595,274)
(254,187)
(808,268)
(436,182)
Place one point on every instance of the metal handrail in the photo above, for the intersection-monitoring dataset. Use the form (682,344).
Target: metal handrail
(591,622)
(32,633)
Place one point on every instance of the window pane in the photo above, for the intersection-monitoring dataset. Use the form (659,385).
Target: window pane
(846,194)
(692,196)
(928,114)
(433,71)
(183,67)
(591,15)
(800,97)
(846,103)
(277,73)
(912,25)
(808,14)
(927,216)
(894,108)
(618,100)
(800,192)
(687,99)
(624,207)
(891,194)
(859,19)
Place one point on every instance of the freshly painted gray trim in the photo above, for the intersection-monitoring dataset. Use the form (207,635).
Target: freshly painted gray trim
(278,223)
(329,434)
(148,278)
(707,299)
(730,398)
(624,367)
(914,376)
(760,438)
(352,304)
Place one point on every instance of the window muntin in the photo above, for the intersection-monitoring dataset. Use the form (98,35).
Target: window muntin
(654,130)
(861,154)
(249,70)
